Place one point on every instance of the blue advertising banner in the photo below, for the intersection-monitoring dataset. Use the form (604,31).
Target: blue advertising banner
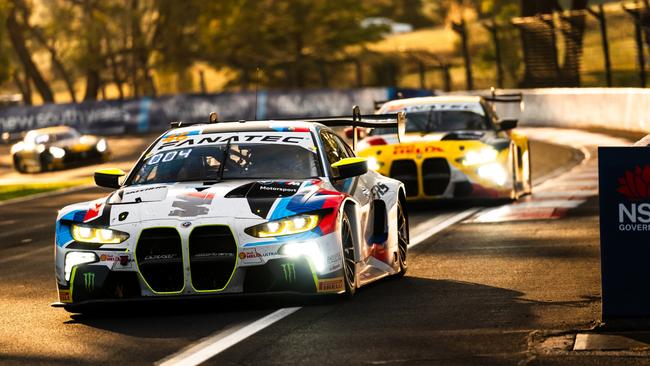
(154,114)
(624,189)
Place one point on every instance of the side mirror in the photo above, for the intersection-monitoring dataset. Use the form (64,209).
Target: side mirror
(109,178)
(351,167)
(507,124)
(361,133)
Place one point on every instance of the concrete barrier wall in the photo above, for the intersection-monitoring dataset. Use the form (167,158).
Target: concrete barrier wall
(614,108)
(625,109)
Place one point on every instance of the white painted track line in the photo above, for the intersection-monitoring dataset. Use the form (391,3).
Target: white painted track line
(219,342)
(417,239)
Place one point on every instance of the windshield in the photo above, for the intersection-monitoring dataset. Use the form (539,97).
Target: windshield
(438,121)
(243,161)
(35,138)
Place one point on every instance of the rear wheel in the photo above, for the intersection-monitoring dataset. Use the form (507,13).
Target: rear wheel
(349,264)
(402,238)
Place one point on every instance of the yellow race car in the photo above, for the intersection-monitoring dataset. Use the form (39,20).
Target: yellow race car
(454,147)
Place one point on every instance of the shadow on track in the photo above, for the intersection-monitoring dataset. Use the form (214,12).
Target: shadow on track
(416,302)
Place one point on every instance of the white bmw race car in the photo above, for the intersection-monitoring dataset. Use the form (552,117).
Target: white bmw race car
(235,207)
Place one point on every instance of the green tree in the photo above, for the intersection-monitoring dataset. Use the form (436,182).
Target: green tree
(292,41)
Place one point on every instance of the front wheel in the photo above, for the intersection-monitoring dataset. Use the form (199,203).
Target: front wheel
(349,263)
(20,165)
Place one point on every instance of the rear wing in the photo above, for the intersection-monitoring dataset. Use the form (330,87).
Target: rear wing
(388,120)
(391,120)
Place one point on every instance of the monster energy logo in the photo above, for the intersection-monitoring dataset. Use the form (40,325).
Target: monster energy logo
(289,272)
(89,281)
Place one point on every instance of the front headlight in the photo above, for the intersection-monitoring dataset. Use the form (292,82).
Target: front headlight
(479,157)
(101,146)
(97,235)
(289,225)
(57,152)
(373,164)
(76,258)
(17,147)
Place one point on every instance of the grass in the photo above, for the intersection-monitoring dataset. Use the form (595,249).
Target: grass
(10,191)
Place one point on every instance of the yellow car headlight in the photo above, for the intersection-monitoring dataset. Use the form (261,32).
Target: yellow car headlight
(478,157)
(97,235)
(373,164)
(287,226)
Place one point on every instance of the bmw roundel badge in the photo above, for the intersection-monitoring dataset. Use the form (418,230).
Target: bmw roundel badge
(186,224)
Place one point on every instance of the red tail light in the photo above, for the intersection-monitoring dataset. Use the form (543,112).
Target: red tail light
(376,141)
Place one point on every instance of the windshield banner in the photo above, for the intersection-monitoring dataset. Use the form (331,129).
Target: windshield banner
(175,140)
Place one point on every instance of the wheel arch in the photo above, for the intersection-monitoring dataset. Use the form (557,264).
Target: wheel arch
(350,208)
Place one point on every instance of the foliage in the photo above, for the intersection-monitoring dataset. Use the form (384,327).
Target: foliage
(125,43)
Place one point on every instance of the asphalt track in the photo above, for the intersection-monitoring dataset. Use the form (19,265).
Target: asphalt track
(489,289)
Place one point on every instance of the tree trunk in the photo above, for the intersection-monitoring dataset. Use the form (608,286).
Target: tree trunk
(17,39)
(117,79)
(23,86)
(94,64)
(93,83)
(36,33)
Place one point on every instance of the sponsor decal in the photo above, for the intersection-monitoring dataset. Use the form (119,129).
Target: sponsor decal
(122,216)
(213,254)
(159,256)
(64,296)
(141,190)
(413,149)
(184,140)
(89,281)
(122,259)
(248,256)
(334,262)
(634,185)
(192,204)
(178,137)
(277,189)
(334,258)
(333,285)
(289,272)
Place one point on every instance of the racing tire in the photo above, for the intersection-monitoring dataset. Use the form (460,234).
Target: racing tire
(19,165)
(45,163)
(349,263)
(402,238)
